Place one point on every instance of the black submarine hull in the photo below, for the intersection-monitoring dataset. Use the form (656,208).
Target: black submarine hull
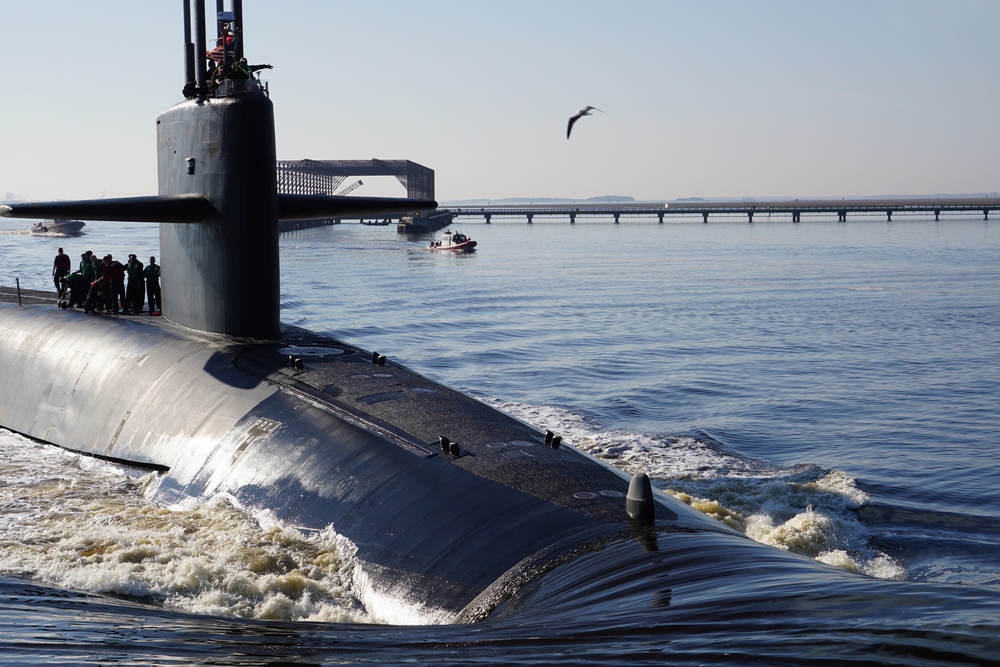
(321,435)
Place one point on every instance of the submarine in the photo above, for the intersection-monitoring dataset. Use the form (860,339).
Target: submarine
(452,506)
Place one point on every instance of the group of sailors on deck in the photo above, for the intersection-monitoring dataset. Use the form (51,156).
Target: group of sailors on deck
(98,285)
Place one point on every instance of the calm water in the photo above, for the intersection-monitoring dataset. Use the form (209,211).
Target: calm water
(827,388)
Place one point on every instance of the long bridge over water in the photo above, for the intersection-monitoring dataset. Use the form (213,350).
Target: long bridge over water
(794,209)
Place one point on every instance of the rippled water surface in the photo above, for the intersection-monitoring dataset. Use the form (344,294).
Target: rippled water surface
(826,388)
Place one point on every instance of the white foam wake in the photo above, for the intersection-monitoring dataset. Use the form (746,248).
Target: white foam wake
(78,523)
(805,509)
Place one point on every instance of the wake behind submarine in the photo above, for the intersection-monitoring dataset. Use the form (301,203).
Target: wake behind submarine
(452,506)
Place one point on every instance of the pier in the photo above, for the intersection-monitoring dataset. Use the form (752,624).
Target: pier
(793,210)
(310,177)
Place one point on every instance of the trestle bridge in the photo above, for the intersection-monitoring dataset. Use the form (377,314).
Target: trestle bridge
(793,209)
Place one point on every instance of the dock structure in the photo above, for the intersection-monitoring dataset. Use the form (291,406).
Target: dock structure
(795,209)
(313,177)
(326,176)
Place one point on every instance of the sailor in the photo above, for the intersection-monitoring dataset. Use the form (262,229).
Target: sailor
(135,293)
(241,70)
(152,275)
(61,266)
(97,295)
(77,286)
(114,271)
(221,59)
(87,267)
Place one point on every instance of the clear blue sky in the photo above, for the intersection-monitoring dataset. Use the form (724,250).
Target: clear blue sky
(708,98)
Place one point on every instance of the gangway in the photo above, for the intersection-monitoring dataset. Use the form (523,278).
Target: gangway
(351,188)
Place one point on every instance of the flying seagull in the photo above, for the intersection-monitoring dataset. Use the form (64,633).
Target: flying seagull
(585,111)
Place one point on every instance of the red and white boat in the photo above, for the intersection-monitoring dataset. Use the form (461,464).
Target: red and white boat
(453,241)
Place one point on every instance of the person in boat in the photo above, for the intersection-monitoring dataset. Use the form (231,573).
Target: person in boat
(135,293)
(61,266)
(152,275)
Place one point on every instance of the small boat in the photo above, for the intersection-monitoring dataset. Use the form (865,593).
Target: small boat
(66,227)
(453,241)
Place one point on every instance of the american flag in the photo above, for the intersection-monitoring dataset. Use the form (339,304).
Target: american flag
(218,54)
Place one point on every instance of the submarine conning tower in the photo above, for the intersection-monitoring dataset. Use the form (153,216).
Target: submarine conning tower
(221,273)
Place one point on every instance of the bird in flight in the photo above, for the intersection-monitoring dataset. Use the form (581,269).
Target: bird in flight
(585,111)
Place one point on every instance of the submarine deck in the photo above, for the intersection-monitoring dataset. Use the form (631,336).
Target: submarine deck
(322,433)
(27,296)
(419,415)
